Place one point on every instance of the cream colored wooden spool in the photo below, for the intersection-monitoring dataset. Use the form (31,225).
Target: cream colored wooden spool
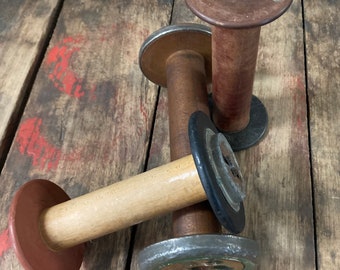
(120,205)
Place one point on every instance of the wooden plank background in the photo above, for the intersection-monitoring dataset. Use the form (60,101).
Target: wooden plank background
(323,66)
(92,118)
(20,49)
(88,119)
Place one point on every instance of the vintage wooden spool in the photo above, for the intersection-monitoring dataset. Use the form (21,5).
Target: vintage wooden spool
(48,229)
(208,250)
(181,54)
(235,38)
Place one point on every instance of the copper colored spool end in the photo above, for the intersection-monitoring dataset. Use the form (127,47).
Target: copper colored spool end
(24,215)
(239,13)
(168,40)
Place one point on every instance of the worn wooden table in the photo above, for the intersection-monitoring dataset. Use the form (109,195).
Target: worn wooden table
(75,109)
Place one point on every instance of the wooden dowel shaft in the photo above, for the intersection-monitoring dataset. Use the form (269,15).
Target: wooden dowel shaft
(234,54)
(123,204)
(187,93)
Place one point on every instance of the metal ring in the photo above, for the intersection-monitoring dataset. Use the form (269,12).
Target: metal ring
(212,251)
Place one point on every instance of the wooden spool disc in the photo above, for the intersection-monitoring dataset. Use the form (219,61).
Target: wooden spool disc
(28,204)
(238,14)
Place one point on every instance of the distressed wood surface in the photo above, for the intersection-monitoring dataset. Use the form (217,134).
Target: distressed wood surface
(279,203)
(20,49)
(323,65)
(88,119)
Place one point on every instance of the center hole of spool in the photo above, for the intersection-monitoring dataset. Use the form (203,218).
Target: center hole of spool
(233,170)
(227,172)
(230,162)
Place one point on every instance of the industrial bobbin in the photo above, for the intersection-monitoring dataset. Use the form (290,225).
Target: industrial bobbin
(179,57)
(235,37)
(48,229)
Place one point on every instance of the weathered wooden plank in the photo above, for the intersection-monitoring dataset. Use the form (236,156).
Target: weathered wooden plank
(24,29)
(323,65)
(88,120)
(279,203)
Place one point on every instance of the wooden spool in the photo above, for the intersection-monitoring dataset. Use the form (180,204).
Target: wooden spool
(48,229)
(181,55)
(235,38)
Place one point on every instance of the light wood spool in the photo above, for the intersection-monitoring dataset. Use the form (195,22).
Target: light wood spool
(120,205)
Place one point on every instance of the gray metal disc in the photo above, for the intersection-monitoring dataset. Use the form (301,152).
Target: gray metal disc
(208,251)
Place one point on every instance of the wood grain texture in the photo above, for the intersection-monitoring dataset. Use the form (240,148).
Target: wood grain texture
(279,204)
(20,49)
(323,65)
(88,120)
(72,222)
(279,199)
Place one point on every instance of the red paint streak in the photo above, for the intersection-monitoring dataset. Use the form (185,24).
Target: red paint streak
(62,76)
(5,243)
(92,93)
(300,83)
(296,84)
(32,143)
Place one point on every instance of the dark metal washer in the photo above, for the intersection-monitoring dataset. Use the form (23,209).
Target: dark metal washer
(254,131)
(230,213)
